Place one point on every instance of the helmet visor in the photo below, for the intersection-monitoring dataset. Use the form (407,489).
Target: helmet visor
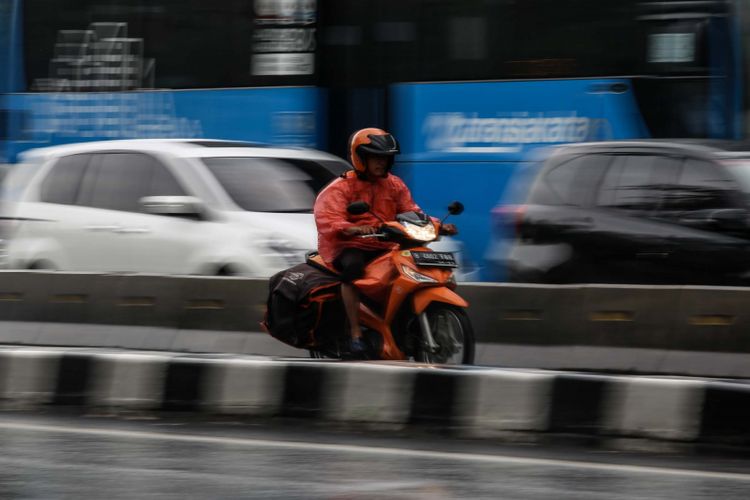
(385,145)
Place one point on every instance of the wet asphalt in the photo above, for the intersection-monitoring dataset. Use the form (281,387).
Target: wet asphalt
(51,456)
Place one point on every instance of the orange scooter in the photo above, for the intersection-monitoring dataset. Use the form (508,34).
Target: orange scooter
(408,309)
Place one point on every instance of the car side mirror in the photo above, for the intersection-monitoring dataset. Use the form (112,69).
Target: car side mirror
(456,208)
(358,208)
(176,206)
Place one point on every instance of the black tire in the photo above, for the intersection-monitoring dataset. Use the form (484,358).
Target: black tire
(41,265)
(226,270)
(453,333)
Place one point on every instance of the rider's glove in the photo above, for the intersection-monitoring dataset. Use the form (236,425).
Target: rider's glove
(448,229)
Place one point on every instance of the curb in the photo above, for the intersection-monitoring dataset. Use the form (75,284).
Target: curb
(470,402)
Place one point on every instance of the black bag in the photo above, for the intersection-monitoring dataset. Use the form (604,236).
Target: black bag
(301,300)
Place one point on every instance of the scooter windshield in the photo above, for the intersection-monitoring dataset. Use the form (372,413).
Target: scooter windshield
(415,218)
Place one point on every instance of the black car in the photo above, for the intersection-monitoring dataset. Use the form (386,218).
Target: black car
(650,212)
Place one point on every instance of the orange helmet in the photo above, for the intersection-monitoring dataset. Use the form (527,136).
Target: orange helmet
(371,141)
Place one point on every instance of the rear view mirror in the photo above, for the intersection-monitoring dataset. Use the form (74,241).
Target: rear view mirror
(180,206)
(456,208)
(358,208)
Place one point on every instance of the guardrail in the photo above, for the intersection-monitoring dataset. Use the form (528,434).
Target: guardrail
(656,329)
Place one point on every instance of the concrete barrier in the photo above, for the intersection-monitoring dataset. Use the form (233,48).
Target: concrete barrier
(525,314)
(503,402)
(715,320)
(29,377)
(629,316)
(386,400)
(639,329)
(655,408)
(134,381)
(245,387)
(528,405)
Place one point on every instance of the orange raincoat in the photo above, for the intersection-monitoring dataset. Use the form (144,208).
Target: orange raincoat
(386,196)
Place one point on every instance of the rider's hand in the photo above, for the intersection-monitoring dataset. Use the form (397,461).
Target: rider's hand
(359,230)
(448,229)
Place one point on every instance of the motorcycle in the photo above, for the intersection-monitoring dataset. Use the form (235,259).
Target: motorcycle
(409,308)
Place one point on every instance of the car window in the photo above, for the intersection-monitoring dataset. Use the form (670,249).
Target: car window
(163,183)
(62,182)
(572,182)
(270,184)
(637,182)
(120,180)
(704,185)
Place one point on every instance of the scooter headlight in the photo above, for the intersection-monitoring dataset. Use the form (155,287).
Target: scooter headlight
(420,233)
(418,277)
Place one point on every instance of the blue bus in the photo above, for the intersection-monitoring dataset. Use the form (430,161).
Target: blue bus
(471,88)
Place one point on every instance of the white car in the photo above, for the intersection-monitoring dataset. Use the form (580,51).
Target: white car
(166,206)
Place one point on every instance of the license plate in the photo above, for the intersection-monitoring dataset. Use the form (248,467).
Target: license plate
(435,259)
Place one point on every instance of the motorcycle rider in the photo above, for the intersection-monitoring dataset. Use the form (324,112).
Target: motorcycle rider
(372,153)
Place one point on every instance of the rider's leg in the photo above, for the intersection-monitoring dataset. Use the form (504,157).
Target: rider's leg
(351,263)
(350,298)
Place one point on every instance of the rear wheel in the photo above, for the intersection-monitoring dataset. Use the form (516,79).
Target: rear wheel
(41,265)
(453,334)
(226,270)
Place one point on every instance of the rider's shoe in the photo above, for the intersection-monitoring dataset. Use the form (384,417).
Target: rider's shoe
(358,346)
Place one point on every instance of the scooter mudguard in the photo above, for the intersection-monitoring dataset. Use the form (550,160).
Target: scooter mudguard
(426,296)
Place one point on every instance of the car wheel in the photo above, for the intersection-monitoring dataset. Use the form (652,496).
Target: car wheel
(227,270)
(41,265)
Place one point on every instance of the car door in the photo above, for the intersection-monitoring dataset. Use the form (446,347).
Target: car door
(49,232)
(166,244)
(109,193)
(127,238)
(628,241)
(706,252)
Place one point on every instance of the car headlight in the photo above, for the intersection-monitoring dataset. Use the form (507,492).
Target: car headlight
(418,277)
(420,233)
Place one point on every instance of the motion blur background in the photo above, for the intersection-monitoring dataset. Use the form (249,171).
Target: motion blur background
(235,106)
(475,90)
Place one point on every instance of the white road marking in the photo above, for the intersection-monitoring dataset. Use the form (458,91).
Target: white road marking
(377,450)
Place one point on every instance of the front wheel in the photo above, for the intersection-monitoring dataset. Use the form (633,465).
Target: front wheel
(452,332)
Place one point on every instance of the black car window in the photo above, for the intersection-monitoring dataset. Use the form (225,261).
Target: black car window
(634,182)
(122,179)
(63,181)
(572,182)
(270,184)
(703,185)
(665,174)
